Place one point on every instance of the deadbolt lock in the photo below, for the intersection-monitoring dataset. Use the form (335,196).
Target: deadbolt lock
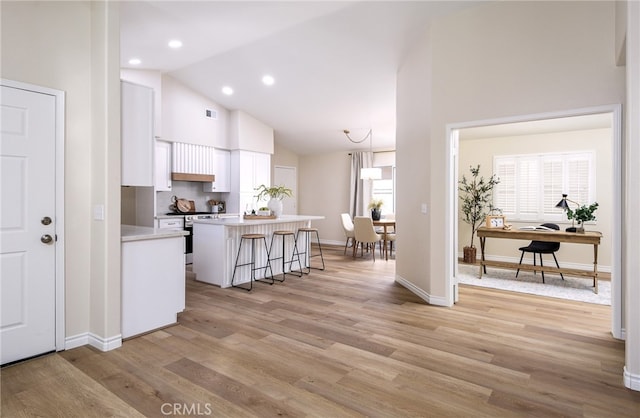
(46,220)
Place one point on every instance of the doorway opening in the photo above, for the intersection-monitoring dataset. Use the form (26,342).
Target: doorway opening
(520,133)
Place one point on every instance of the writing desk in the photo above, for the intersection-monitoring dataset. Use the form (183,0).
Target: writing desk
(589,237)
(385,223)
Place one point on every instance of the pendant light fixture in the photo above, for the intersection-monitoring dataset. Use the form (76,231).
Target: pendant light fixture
(370,173)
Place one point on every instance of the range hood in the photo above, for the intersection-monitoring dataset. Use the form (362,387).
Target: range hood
(192,162)
(204,178)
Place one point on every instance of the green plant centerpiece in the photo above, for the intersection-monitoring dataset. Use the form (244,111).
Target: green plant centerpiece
(275,195)
(475,196)
(582,214)
(375,205)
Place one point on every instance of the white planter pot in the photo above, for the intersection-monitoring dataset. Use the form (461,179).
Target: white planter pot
(276,206)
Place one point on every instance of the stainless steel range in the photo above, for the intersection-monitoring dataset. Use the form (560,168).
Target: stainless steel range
(188,226)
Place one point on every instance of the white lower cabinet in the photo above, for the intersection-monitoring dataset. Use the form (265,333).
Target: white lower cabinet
(153,284)
(176,222)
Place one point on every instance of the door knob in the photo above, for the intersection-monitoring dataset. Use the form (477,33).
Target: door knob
(46,239)
(46,220)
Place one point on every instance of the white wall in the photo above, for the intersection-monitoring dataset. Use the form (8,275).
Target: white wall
(248,133)
(183,116)
(71,46)
(495,60)
(323,189)
(631,222)
(414,160)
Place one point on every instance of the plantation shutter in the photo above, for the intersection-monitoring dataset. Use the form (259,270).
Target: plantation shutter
(553,185)
(531,185)
(505,191)
(528,182)
(578,178)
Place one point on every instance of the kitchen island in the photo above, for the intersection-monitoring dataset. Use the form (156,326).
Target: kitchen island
(153,278)
(216,243)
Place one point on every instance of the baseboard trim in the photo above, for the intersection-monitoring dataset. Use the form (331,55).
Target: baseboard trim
(88,338)
(332,242)
(631,381)
(431,300)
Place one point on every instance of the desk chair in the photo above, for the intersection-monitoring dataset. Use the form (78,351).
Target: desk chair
(542,247)
(389,238)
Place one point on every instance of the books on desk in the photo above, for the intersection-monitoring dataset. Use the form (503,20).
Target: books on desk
(536,228)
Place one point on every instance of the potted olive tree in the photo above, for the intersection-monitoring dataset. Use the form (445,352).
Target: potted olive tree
(475,197)
(276,194)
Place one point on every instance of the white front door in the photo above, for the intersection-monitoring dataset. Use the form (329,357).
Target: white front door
(27,224)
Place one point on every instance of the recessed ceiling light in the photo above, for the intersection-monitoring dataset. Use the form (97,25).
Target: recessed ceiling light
(268,80)
(175,43)
(227,90)
(135,61)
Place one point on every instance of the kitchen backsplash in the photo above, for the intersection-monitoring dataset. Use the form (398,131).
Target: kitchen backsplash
(186,190)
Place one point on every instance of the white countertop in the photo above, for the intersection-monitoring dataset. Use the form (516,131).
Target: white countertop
(184,214)
(138,233)
(240,221)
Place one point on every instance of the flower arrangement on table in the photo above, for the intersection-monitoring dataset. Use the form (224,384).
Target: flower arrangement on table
(375,205)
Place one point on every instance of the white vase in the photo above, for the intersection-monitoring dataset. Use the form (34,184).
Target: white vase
(275,205)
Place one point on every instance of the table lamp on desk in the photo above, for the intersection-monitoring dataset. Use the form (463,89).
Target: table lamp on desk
(564,205)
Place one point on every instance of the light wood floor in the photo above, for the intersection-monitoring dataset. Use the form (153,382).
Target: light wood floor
(344,342)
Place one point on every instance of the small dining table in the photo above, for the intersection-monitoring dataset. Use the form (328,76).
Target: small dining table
(385,224)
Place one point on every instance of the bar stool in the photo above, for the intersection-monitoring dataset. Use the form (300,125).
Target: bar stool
(307,250)
(296,254)
(253,238)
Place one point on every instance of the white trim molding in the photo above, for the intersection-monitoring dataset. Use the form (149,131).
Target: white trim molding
(431,300)
(88,338)
(631,381)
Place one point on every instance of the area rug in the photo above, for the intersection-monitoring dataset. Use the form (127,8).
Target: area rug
(572,288)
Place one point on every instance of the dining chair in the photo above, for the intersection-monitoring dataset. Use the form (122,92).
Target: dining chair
(390,237)
(347,226)
(365,233)
(542,247)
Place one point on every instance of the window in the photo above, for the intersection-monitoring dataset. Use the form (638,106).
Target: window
(385,189)
(531,185)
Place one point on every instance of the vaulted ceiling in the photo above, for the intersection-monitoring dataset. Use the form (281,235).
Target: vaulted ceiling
(334,63)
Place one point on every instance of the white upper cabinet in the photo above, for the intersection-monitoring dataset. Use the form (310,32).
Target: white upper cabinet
(248,171)
(221,171)
(137,157)
(163,166)
(255,169)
